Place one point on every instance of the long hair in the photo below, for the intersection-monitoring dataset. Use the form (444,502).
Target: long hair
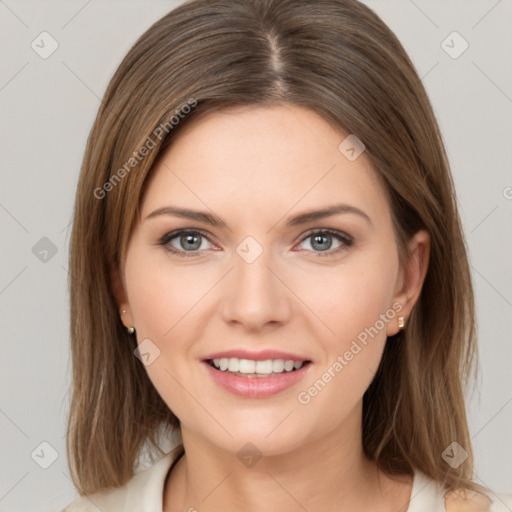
(339,59)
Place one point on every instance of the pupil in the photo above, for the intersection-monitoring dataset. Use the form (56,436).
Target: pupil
(190,241)
(321,239)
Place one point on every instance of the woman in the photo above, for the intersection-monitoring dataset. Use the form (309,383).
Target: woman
(267,260)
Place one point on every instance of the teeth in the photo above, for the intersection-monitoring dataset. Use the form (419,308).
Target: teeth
(265,367)
(278,365)
(260,368)
(246,366)
(288,365)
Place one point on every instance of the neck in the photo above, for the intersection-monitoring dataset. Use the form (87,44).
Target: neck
(312,476)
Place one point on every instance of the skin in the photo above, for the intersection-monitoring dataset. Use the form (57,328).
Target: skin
(468,501)
(254,168)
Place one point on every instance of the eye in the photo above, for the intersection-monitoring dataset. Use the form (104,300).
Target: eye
(184,242)
(190,242)
(321,241)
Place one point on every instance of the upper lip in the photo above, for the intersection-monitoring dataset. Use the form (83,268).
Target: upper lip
(260,355)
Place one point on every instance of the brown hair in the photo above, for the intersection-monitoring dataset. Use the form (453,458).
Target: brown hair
(339,59)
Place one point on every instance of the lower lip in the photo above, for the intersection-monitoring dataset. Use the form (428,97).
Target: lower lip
(256,387)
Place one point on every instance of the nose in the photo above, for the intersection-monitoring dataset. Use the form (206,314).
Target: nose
(254,295)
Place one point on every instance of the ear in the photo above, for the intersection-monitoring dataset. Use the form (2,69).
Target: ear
(411,277)
(118,289)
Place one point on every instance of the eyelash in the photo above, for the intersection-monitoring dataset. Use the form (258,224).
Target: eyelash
(346,240)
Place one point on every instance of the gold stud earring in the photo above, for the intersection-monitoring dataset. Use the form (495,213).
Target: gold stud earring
(401,322)
(124,311)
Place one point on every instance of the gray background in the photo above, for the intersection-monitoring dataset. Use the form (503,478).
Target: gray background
(48,106)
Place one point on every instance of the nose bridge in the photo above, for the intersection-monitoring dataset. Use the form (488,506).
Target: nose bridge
(255,296)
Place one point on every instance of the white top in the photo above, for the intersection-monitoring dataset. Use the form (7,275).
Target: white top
(144,493)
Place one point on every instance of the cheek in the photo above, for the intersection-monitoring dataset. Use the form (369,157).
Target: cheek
(338,307)
(355,306)
(165,300)
(351,298)
(352,307)
(161,294)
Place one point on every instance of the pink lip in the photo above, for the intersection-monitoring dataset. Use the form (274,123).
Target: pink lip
(256,387)
(262,355)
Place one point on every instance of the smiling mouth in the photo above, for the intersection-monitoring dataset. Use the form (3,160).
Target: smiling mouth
(259,369)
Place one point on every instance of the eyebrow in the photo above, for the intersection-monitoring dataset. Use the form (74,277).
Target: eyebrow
(302,218)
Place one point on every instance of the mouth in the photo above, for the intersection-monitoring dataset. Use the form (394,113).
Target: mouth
(251,378)
(251,368)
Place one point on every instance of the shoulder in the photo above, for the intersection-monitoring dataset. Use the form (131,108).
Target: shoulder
(143,492)
(427,494)
(469,501)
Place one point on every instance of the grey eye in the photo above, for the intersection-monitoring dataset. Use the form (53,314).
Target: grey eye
(190,241)
(321,242)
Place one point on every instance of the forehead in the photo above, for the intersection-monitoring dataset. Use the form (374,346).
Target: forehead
(255,159)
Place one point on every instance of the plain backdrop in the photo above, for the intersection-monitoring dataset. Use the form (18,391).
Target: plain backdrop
(47,109)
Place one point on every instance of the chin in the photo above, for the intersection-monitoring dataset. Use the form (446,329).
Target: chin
(267,438)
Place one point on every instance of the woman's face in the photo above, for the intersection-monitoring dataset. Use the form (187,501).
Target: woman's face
(321,290)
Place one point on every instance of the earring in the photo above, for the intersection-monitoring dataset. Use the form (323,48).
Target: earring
(130,330)
(401,322)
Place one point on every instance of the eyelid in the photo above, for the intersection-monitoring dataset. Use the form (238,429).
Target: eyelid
(334,232)
(346,240)
(165,241)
